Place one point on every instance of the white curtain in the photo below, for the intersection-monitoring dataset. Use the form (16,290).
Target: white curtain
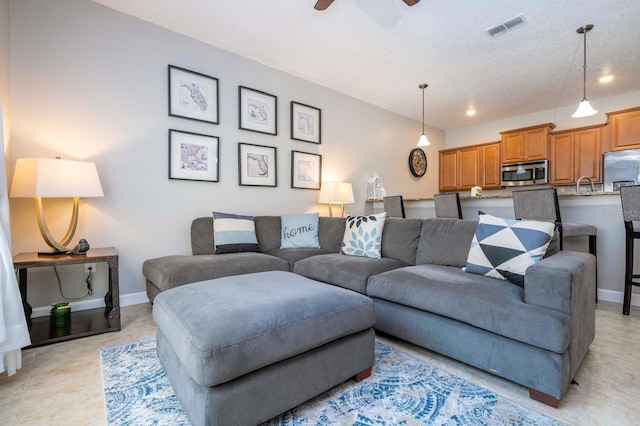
(14,334)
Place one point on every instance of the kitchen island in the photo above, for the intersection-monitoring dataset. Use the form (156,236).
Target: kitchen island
(600,209)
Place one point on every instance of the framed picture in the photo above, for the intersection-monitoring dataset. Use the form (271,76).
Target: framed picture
(193,156)
(257,165)
(258,111)
(306,170)
(193,95)
(305,123)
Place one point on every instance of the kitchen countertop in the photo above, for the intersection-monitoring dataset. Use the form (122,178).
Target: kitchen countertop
(502,196)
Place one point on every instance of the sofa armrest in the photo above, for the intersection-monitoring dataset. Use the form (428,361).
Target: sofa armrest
(561,282)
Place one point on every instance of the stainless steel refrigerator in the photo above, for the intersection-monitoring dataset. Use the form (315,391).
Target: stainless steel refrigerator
(621,168)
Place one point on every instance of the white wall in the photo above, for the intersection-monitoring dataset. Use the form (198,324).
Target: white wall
(5,102)
(90,83)
(561,117)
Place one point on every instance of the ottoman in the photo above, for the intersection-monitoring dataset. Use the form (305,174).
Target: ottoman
(240,350)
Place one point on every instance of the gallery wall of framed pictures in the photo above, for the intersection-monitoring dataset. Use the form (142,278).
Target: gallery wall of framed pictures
(193,95)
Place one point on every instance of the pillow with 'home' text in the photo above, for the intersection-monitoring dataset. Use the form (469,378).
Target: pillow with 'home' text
(505,248)
(233,233)
(299,231)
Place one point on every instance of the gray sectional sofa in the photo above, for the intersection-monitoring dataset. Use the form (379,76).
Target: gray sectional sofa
(536,335)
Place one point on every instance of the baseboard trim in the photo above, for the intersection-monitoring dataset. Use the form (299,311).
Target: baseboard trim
(81,305)
(617,297)
(133,298)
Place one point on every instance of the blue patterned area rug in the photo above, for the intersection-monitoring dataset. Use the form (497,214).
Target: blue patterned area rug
(401,391)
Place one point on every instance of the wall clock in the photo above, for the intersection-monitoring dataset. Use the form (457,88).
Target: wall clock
(417,162)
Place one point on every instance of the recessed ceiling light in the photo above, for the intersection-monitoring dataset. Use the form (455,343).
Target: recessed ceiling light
(606,78)
(471,112)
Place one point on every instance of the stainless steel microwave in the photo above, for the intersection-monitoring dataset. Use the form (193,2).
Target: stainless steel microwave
(527,173)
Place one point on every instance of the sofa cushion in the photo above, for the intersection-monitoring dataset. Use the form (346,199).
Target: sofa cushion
(299,231)
(487,303)
(401,238)
(173,271)
(292,255)
(222,329)
(363,235)
(234,233)
(445,241)
(350,272)
(505,248)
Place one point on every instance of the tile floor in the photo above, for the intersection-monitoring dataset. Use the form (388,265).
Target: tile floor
(61,384)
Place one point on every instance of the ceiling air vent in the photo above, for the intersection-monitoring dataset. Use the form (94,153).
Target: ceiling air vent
(506,26)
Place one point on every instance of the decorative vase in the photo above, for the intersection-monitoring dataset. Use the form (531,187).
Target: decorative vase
(374,187)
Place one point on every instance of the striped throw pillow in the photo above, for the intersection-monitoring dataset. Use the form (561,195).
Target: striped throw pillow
(234,233)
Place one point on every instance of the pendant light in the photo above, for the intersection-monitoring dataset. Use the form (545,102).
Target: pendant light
(423,141)
(584,108)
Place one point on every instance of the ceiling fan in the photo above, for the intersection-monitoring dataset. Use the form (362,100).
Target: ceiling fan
(323,4)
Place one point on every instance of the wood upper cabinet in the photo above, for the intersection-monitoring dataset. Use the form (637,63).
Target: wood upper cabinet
(468,166)
(448,170)
(575,153)
(490,165)
(464,168)
(527,144)
(624,129)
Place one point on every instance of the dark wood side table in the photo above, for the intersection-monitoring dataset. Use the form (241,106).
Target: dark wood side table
(83,323)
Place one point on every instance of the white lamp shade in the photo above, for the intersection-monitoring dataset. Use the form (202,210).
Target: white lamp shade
(423,141)
(584,110)
(55,178)
(336,192)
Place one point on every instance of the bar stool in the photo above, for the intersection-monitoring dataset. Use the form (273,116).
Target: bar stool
(448,205)
(542,204)
(630,198)
(394,206)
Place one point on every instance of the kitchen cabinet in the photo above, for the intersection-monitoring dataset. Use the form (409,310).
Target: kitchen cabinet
(448,170)
(490,165)
(475,165)
(624,129)
(575,153)
(526,144)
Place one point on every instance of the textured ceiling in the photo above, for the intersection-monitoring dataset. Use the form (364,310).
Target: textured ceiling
(379,51)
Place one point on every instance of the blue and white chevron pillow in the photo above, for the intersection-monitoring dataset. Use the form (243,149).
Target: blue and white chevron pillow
(505,248)
(233,233)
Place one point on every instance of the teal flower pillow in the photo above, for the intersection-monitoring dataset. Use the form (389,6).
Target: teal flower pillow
(363,235)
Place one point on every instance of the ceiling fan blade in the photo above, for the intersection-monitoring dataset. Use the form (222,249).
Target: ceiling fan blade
(323,4)
(408,2)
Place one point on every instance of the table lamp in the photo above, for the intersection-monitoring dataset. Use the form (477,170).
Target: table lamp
(336,192)
(55,178)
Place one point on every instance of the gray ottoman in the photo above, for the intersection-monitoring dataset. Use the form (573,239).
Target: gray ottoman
(240,350)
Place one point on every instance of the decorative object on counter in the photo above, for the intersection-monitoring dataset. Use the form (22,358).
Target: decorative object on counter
(193,95)
(55,178)
(448,205)
(374,185)
(305,123)
(423,141)
(630,199)
(338,193)
(81,248)
(257,165)
(417,162)
(193,156)
(584,108)
(306,170)
(476,191)
(258,111)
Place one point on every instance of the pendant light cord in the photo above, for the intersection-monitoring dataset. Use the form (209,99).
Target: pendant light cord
(584,68)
